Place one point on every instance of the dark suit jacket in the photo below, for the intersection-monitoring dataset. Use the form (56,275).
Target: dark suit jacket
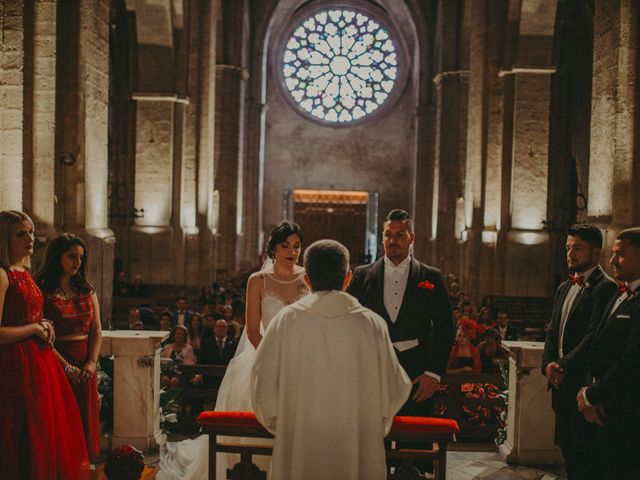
(210,355)
(613,350)
(425,314)
(187,317)
(600,287)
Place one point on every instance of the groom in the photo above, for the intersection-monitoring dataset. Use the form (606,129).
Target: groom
(413,300)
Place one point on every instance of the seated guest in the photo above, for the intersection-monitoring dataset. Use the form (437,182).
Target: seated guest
(121,287)
(165,321)
(469,326)
(219,348)
(506,331)
(195,332)
(464,357)
(148,317)
(469,309)
(237,322)
(138,288)
(182,314)
(491,351)
(138,325)
(206,297)
(180,352)
(133,316)
(484,322)
(456,314)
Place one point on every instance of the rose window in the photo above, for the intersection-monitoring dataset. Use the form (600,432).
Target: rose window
(339,65)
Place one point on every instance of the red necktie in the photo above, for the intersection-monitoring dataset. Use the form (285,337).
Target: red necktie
(576,279)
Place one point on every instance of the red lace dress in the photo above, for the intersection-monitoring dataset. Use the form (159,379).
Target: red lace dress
(74,317)
(40,428)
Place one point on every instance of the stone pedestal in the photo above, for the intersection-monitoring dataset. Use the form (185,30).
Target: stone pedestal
(136,386)
(530,419)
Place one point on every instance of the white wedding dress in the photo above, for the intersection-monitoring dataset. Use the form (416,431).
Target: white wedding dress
(188,460)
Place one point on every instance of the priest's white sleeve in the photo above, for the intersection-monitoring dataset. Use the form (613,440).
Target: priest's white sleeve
(265,376)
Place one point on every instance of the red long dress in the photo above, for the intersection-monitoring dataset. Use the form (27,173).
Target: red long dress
(41,434)
(74,317)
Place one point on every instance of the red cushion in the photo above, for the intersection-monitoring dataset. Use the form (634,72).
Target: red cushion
(400,424)
(423,425)
(237,419)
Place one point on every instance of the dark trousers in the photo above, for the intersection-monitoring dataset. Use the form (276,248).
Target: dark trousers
(575,437)
(410,361)
(617,447)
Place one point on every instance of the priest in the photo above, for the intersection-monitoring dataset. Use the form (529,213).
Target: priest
(326,381)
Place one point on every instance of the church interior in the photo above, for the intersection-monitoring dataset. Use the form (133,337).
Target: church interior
(172,135)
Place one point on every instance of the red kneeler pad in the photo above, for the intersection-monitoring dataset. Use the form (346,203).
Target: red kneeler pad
(402,426)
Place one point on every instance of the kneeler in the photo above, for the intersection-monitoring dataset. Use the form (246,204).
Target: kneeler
(437,431)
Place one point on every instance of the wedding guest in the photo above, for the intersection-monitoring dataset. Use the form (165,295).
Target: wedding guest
(195,332)
(133,316)
(356,388)
(219,349)
(464,357)
(206,297)
(72,305)
(121,287)
(41,433)
(484,322)
(138,288)
(182,314)
(165,321)
(491,351)
(506,331)
(180,352)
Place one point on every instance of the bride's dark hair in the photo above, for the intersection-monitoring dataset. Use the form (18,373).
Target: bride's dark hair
(280,233)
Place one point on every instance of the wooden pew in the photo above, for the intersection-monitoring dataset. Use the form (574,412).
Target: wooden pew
(437,431)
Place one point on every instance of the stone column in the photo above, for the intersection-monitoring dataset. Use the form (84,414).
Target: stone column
(475,153)
(527,244)
(206,216)
(613,197)
(231,78)
(81,136)
(11,98)
(252,239)
(152,235)
(40,121)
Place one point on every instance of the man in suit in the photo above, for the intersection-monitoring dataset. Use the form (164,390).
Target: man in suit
(611,400)
(219,348)
(506,331)
(572,312)
(182,315)
(413,299)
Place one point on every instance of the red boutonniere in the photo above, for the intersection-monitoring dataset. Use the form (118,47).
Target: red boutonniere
(426,284)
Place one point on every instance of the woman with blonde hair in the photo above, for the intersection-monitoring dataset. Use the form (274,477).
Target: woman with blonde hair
(41,435)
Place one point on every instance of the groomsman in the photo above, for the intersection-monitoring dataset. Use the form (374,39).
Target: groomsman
(413,300)
(572,311)
(611,401)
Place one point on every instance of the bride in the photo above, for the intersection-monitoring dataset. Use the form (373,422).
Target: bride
(279,283)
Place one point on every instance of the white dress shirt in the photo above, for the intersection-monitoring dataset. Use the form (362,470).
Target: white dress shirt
(395,284)
(572,294)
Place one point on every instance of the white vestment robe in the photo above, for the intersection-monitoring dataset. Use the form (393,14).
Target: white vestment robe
(326,382)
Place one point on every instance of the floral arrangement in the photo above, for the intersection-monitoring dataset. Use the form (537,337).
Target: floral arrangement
(124,463)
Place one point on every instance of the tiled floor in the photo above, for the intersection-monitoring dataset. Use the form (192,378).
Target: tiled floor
(491,466)
(460,466)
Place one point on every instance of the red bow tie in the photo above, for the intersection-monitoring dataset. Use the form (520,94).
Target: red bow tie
(624,288)
(576,279)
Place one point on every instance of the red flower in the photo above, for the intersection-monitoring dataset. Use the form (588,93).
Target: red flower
(426,284)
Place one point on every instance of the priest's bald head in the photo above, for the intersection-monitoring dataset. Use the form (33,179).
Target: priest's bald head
(327,266)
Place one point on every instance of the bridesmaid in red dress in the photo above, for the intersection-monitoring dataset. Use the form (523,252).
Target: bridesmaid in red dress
(41,434)
(71,304)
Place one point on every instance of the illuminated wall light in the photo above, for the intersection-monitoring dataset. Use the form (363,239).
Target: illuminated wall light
(489,236)
(524,237)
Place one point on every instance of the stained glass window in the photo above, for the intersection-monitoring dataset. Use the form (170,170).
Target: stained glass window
(340,65)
